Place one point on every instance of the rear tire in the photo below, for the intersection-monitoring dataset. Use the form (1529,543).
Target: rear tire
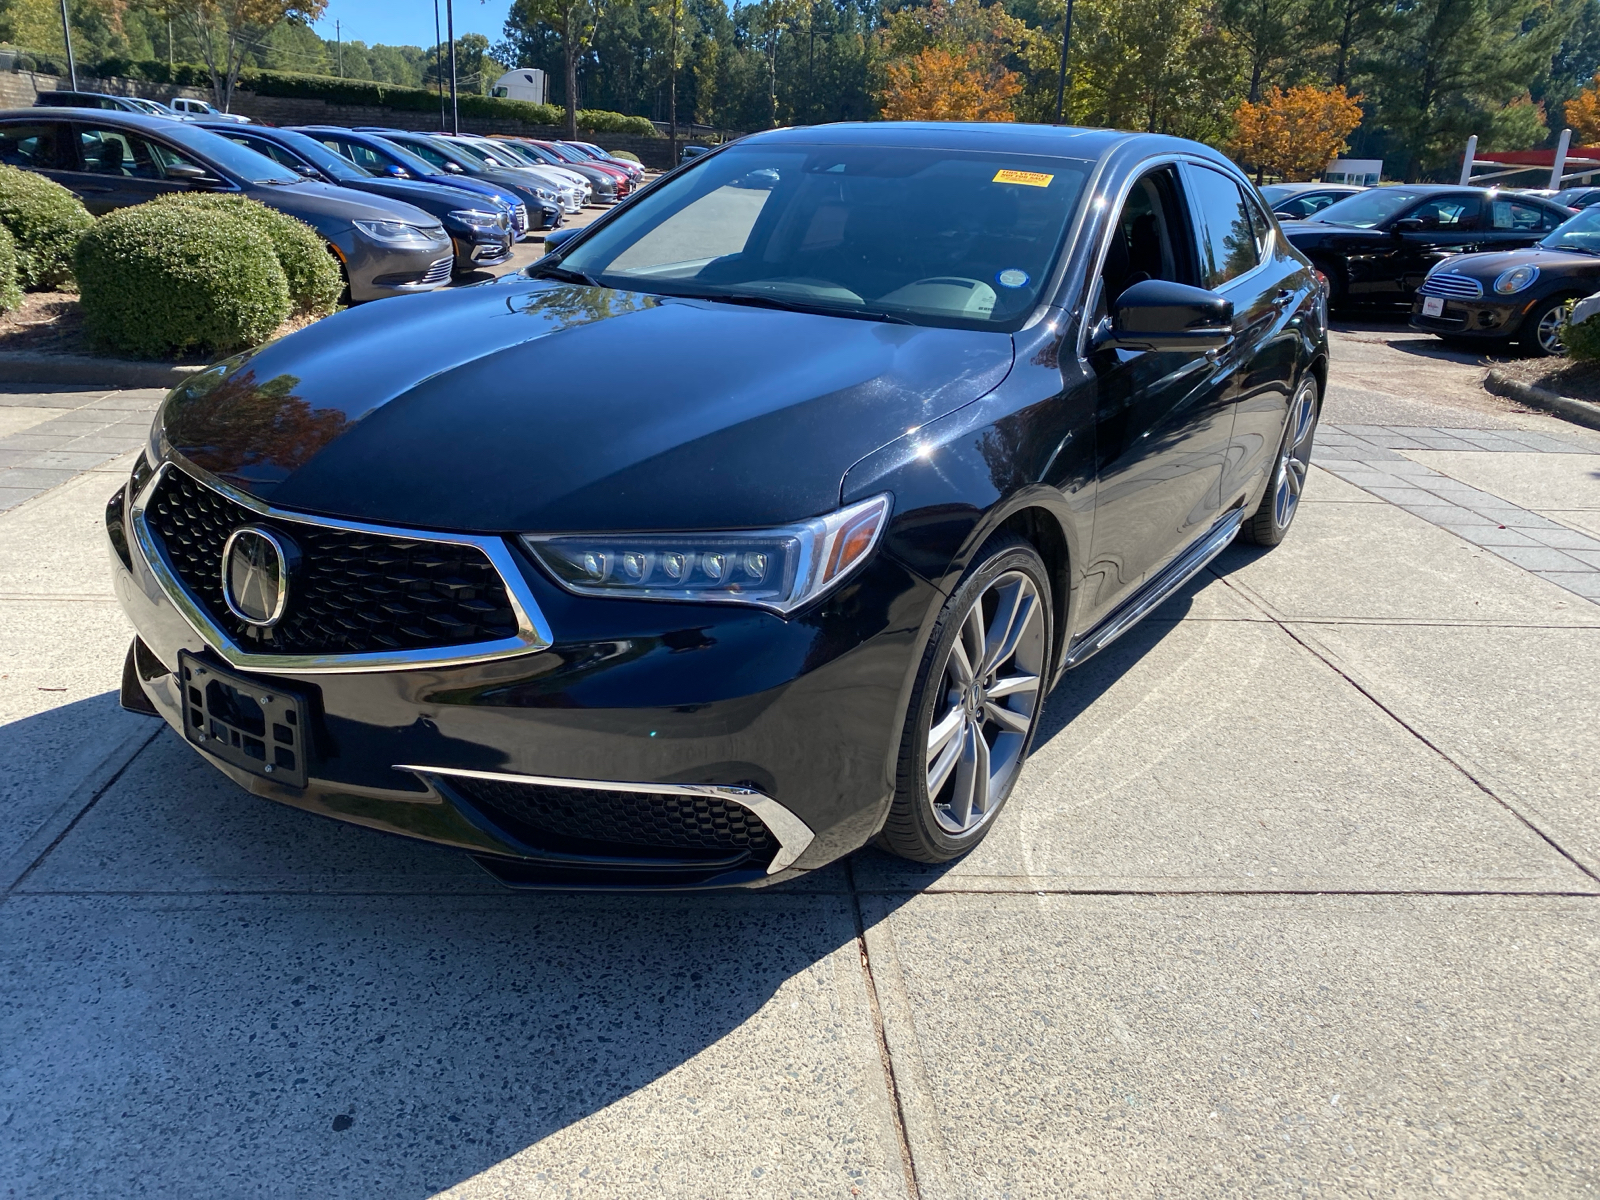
(1541,328)
(1269,524)
(975,705)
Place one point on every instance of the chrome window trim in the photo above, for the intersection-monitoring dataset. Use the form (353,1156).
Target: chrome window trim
(1135,172)
(793,834)
(533,631)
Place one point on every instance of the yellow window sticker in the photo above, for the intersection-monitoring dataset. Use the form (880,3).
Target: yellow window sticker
(1026,178)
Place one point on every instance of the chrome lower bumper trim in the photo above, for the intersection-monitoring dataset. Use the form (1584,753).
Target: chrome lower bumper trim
(793,834)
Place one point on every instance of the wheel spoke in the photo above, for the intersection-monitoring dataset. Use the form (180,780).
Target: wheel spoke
(1011,685)
(960,664)
(1019,614)
(1011,722)
(961,802)
(1296,476)
(946,729)
(949,755)
(972,635)
(980,771)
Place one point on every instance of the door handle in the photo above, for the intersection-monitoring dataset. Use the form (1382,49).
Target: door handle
(1283,296)
(93,187)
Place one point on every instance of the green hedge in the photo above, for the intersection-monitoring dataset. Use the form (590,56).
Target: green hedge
(315,283)
(362,91)
(46,221)
(1583,340)
(10,292)
(160,279)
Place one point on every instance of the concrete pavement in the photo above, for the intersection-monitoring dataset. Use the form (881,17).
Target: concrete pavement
(1298,895)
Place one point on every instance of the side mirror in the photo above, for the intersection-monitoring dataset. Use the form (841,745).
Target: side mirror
(453,167)
(554,241)
(187,173)
(1408,225)
(396,171)
(1160,315)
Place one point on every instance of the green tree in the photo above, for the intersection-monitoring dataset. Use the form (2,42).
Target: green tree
(574,24)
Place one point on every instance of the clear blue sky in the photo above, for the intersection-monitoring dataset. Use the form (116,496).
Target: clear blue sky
(410,22)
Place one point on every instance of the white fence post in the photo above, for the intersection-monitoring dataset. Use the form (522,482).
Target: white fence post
(1561,160)
(1466,163)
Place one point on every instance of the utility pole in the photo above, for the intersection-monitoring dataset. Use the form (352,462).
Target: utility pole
(450,31)
(438,63)
(338,47)
(1066,52)
(66,32)
(169,49)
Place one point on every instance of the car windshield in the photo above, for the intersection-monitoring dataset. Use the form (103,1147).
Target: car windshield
(1366,209)
(1581,233)
(934,237)
(233,158)
(505,152)
(566,153)
(319,155)
(468,155)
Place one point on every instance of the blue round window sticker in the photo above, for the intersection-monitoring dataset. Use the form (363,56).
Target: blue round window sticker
(1012,277)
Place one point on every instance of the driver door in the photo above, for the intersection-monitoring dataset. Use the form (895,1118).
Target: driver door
(1450,225)
(117,167)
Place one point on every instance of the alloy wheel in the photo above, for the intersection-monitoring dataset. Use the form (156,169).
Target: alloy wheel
(1549,330)
(991,692)
(1294,459)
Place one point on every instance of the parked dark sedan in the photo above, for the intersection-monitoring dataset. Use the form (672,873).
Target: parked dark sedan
(1577,198)
(480,230)
(372,152)
(1376,247)
(1515,294)
(983,396)
(114,159)
(1296,201)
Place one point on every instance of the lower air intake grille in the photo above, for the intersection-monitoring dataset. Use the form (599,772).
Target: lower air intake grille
(573,820)
(353,593)
(439,272)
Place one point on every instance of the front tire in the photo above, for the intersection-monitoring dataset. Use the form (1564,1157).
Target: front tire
(975,705)
(1541,328)
(1269,524)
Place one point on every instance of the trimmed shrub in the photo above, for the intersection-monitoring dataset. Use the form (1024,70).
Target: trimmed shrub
(159,279)
(46,221)
(10,291)
(624,154)
(1582,340)
(315,283)
(609,122)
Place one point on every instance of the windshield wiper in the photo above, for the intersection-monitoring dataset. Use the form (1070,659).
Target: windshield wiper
(562,274)
(824,310)
(1571,249)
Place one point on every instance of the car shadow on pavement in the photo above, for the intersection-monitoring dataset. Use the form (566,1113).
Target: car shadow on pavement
(269,995)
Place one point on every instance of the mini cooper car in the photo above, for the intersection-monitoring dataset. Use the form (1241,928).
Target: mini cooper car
(1516,295)
(981,397)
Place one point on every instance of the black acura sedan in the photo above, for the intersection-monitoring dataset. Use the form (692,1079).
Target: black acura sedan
(1377,246)
(980,398)
(1519,295)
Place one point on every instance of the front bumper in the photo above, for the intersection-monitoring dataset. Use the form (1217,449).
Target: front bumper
(377,271)
(795,720)
(480,248)
(1488,317)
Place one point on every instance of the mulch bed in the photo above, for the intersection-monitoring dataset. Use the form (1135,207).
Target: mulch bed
(52,323)
(1575,380)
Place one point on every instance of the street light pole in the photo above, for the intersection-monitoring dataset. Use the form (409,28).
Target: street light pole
(338,47)
(438,63)
(66,32)
(450,31)
(1066,52)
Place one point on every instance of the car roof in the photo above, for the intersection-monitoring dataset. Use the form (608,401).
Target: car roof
(1065,140)
(134,120)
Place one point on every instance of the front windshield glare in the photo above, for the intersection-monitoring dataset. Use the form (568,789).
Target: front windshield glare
(1366,209)
(238,160)
(936,237)
(1581,233)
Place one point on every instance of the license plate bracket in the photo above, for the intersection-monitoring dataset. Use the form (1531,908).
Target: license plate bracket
(247,722)
(1433,306)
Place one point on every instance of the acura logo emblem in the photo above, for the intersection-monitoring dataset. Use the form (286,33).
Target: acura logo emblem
(255,574)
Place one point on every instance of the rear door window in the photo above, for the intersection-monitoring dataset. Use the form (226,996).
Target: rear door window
(1225,230)
(35,146)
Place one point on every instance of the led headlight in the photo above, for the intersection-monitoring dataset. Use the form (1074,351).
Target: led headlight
(780,568)
(399,233)
(545,195)
(1515,279)
(479,219)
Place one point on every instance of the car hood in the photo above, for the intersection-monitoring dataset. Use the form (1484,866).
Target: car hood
(1490,264)
(546,407)
(429,197)
(320,204)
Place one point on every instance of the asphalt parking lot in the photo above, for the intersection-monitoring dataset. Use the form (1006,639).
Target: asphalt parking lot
(1297,896)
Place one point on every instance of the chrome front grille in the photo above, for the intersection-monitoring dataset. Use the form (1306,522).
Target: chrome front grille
(1451,286)
(519,218)
(439,272)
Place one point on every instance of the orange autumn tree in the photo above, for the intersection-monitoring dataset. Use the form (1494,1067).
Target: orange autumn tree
(948,85)
(1582,114)
(1294,134)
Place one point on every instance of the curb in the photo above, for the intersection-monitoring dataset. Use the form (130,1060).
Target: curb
(1580,412)
(21,366)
